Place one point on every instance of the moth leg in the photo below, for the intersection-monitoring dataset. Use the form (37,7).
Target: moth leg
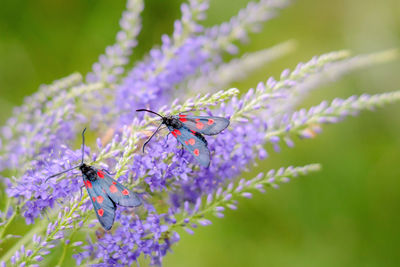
(45,212)
(181,151)
(81,191)
(112,174)
(189,110)
(166,139)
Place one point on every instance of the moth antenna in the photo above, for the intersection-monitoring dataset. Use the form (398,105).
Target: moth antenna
(83,144)
(57,174)
(83,151)
(148,140)
(143,109)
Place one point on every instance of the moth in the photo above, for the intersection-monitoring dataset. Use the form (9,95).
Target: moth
(189,130)
(104,192)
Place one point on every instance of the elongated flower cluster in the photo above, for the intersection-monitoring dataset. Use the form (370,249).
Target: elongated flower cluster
(177,193)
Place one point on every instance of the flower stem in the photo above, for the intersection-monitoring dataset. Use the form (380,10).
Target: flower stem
(66,246)
(39,227)
(60,262)
(11,219)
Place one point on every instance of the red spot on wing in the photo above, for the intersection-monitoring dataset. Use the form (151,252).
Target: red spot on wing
(193,132)
(210,122)
(192,141)
(197,120)
(196,152)
(114,182)
(100,212)
(100,174)
(100,199)
(199,125)
(113,189)
(186,142)
(176,132)
(94,199)
(88,184)
(182,118)
(125,192)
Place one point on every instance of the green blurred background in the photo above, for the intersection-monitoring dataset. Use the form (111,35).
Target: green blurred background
(345,215)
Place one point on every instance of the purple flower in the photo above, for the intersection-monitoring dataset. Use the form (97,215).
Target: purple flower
(152,81)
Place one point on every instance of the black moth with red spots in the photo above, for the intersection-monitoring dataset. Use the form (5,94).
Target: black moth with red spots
(104,192)
(189,130)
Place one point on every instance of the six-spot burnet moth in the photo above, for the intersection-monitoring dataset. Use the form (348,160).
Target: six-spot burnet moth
(188,131)
(104,191)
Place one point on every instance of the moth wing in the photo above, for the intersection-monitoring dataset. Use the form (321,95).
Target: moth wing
(103,205)
(194,143)
(118,193)
(204,124)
